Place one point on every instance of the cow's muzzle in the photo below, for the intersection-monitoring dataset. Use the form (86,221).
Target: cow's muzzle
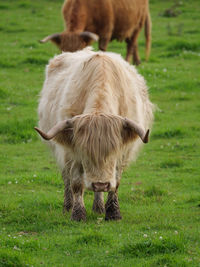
(101,187)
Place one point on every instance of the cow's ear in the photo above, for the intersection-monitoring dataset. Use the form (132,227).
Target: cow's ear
(131,130)
(89,36)
(55,38)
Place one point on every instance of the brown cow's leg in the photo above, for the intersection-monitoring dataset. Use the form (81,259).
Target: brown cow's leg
(103,43)
(136,58)
(78,210)
(68,199)
(129,50)
(98,204)
(112,207)
(132,47)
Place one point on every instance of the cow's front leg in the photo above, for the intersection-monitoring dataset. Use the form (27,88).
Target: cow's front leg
(112,204)
(68,199)
(98,204)
(103,43)
(78,209)
(112,207)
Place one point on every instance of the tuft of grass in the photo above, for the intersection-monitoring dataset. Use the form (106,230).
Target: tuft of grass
(185,45)
(10,258)
(170,261)
(171,164)
(3,7)
(169,134)
(16,131)
(35,61)
(154,191)
(3,94)
(149,248)
(92,238)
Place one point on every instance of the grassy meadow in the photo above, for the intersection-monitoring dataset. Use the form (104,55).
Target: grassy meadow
(159,194)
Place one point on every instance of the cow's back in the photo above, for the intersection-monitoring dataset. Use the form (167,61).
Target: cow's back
(119,17)
(128,16)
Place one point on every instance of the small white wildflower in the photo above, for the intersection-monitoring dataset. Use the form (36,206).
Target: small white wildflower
(160,237)
(164,70)
(9,235)
(34,175)
(9,182)
(16,182)
(155,232)
(176,232)
(174,200)
(145,235)
(9,108)
(14,236)
(16,248)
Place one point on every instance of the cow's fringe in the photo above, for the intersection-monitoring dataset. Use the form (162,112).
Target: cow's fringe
(97,136)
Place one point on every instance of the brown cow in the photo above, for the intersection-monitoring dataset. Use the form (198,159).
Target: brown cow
(95,113)
(86,20)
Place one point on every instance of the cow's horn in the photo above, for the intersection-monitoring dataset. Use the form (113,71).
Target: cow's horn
(90,35)
(139,131)
(50,37)
(60,126)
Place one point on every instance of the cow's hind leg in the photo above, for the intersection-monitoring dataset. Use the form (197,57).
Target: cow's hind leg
(132,47)
(112,207)
(78,209)
(68,199)
(98,204)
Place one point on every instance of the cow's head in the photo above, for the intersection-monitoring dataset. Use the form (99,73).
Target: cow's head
(71,42)
(96,142)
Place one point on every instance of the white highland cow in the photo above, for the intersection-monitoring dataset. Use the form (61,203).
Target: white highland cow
(95,112)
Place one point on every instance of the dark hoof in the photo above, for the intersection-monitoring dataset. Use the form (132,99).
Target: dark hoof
(138,62)
(98,208)
(78,215)
(113,217)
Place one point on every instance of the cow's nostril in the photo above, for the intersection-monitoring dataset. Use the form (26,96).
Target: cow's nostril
(100,187)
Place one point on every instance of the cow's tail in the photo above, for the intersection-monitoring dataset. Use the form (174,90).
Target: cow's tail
(147,32)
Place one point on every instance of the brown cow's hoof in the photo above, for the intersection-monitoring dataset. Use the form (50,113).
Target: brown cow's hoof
(78,215)
(137,62)
(98,207)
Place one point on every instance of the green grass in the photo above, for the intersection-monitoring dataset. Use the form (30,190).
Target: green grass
(159,194)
